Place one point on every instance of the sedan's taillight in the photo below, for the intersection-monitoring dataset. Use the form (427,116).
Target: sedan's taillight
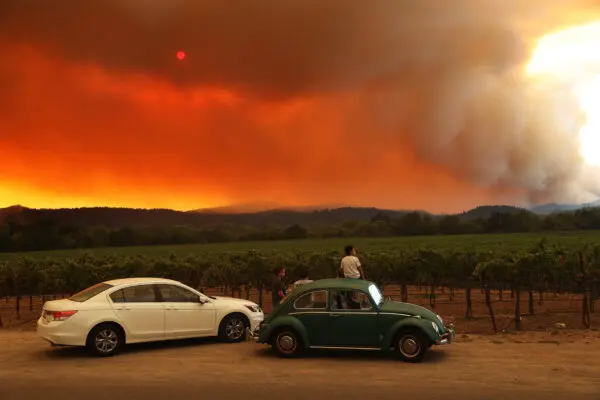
(59,315)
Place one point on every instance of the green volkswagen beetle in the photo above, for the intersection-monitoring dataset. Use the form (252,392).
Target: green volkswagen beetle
(351,314)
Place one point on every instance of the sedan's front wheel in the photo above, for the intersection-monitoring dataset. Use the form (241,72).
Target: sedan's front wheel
(105,340)
(233,328)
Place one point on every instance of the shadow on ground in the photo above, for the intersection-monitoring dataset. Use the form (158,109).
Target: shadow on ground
(59,352)
(432,356)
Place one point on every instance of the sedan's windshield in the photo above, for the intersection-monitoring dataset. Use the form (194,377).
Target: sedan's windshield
(90,292)
(376,294)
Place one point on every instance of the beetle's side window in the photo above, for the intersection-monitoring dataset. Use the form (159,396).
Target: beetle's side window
(316,300)
(134,294)
(350,300)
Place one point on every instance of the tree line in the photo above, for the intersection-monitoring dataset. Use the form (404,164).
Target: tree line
(49,234)
(541,269)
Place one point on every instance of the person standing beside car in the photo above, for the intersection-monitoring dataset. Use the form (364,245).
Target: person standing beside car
(304,277)
(278,290)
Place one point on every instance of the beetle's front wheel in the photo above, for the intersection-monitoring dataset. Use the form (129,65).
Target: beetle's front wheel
(411,345)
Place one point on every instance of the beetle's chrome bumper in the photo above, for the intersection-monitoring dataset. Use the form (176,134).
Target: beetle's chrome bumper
(252,335)
(447,337)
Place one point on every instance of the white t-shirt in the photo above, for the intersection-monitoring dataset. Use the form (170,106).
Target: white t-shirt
(350,266)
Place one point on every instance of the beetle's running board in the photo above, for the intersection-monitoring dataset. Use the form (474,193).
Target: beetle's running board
(344,348)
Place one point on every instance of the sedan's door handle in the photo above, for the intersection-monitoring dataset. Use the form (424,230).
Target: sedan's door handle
(334,315)
(124,308)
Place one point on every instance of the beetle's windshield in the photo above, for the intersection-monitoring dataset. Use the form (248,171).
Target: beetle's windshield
(376,294)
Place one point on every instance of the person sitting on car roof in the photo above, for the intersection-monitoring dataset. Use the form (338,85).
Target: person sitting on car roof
(350,264)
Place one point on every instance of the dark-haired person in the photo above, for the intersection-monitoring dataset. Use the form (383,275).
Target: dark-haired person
(350,265)
(278,290)
(304,279)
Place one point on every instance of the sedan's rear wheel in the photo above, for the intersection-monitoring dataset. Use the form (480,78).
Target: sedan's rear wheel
(105,340)
(411,345)
(287,343)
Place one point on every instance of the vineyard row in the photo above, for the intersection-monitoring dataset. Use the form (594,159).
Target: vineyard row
(541,269)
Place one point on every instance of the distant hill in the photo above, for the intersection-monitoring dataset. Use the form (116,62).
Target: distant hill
(485,212)
(554,207)
(250,214)
(245,208)
(5,212)
(119,217)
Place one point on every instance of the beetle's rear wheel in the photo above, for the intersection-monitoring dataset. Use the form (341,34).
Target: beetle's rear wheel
(287,343)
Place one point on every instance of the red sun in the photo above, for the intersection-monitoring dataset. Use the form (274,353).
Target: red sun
(180,55)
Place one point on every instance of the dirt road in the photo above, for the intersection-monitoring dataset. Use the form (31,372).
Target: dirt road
(524,366)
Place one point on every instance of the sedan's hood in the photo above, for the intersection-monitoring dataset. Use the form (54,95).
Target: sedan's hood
(234,300)
(390,306)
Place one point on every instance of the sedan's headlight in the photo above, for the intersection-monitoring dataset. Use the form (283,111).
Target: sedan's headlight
(253,308)
(434,325)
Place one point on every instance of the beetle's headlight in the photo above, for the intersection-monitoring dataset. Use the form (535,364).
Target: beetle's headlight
(253,308)
(435,327)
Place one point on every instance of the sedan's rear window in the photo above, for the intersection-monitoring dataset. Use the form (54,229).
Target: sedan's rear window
(90,292)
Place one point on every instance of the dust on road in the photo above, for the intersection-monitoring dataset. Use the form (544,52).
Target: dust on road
(535,365)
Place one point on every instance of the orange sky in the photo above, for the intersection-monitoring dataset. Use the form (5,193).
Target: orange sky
(101,114)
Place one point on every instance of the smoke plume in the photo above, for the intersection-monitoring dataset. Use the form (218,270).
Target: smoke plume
(444,77)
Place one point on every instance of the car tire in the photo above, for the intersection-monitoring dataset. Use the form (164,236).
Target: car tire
(105,340)
(233,328)
(287,343)
(411,345)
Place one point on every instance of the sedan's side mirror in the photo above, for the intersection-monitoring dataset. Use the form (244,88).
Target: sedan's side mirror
(202,300)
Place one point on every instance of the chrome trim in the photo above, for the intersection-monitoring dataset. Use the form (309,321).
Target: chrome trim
(343,312)
(344,348)
(400,314)
(252,335)
(446,338)
(339,312)
(309,312)
(320,311)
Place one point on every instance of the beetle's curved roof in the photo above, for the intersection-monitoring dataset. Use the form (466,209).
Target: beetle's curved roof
(336,283)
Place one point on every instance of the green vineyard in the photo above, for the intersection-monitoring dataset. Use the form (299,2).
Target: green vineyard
(518,263)
(479,242)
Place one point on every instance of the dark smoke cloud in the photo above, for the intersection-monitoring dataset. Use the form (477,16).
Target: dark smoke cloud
(273,46)
(447,74)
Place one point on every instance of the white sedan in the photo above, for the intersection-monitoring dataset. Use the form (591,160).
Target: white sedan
(108,315)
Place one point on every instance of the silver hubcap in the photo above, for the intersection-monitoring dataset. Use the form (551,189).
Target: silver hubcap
(409,346)
(286,343)
(106,341)
(234,328)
